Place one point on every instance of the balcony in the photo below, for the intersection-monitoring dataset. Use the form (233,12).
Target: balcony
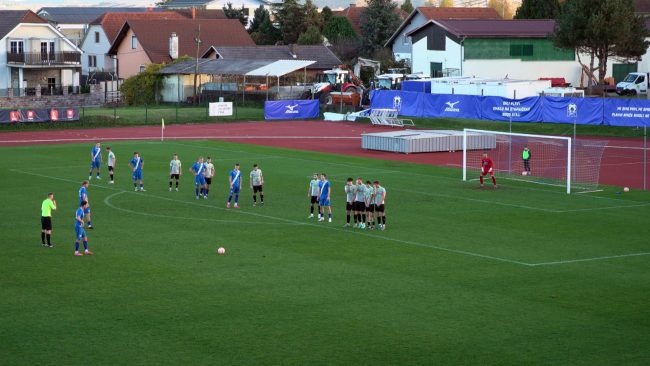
(45,59)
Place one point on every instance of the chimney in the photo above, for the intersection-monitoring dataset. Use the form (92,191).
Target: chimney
(173,46)
(193,13)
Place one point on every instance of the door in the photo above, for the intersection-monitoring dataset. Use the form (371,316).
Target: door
(51,85)
(621,70)
(43,51)
(436,69)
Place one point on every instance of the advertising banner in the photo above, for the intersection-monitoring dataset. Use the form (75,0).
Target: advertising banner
(581,111)
(406,103)
(627,112)
(220,109)
(291,109)
(518,110)
(451,106)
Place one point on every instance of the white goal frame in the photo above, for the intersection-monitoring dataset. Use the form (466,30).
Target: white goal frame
(548,137)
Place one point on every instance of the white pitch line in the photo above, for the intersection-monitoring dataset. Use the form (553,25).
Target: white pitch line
(202,137)
(588,259)
(323,226)
(108,203)
(606,208)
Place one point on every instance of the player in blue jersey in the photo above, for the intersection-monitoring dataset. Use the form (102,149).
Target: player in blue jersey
(198,169)
(80,233)
(83,197)
(234,180)
(137,164)
(95,160)
(324,198)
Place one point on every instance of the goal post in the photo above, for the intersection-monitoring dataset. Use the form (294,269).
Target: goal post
(548,160)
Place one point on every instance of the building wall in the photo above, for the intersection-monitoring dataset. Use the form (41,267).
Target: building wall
(517,69)
(33,34)
(526,49)
(422,57)
(128,59)
(98,49)
(5,74)
(402,50)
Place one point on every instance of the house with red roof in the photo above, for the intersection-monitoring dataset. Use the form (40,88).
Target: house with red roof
(401,43)
(354,15)
(141,42)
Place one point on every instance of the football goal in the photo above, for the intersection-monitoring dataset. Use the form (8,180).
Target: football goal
(538,159)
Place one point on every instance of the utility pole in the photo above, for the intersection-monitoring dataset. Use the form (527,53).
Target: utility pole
(197,39)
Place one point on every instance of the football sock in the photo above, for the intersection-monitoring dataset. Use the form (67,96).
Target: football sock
(206,191)
(347,218)
(197,191)
(383,220)
(262,198)
(363,217)
(42,237)
(85,244)
(229,198)
(141,186)
(90,223)
(48,238)
(494,181)
(176,184)
(329,215)
(236,198)
(76,246)
(135,185)
(481,179)
(378,220)
(311,209)
(170,184)
(254,199)
(111,176)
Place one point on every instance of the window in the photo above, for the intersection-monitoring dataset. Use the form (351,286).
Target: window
(17,47)
(641,79)
(141,68)
(92,61)
(522,50)
(134,42)
(96,37)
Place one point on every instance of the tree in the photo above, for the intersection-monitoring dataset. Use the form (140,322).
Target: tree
(312,16)
(311,36)
(267,34)
(233,13)
(339,29)
(601,29)
(407,6)
(259,15)
(326,14)
(503,7)
(446,4)
(379,22)
(538,9)
(290,16)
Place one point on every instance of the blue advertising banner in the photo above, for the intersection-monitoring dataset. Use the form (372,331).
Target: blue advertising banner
(627,112)
(406,103)
(582,111)
(518,110)
(291,109)
(423,86)
(451,106)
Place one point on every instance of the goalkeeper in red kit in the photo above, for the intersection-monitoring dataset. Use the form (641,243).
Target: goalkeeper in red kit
(487,167)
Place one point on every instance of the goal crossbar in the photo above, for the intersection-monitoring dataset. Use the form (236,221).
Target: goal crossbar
(568,140)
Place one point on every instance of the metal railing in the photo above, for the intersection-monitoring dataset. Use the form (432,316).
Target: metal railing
(38,58)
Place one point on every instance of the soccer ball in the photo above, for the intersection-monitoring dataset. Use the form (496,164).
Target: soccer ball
(221,250)
(524,173)
(626,189)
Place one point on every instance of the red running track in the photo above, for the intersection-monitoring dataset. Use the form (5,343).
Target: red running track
(622,163)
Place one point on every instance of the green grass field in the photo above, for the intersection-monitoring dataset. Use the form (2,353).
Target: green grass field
(514,276)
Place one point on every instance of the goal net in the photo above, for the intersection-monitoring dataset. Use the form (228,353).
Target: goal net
(546,160)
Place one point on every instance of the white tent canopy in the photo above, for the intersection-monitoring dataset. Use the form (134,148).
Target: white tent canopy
(280,68)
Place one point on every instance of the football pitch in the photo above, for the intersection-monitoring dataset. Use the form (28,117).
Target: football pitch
(521,275)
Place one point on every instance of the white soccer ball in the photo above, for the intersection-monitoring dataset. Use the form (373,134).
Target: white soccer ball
(221,250)
(524,173)
(626,189)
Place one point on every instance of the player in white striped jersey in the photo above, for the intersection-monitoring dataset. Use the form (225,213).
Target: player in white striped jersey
(175,171)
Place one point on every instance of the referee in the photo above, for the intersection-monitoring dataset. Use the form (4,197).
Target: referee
(47,206)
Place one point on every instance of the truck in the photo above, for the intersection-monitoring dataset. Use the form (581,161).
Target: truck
(633,84)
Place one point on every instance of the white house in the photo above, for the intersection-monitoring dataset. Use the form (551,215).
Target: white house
(248,5)
(516,49)
(400,43)
(33,52)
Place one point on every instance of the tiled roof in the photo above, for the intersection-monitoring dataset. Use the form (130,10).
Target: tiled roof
(458,13)
(477,28)
(355,16)
(113,22)
(9,19)
(82,15)
(324,58)
(202,13)
(153,36)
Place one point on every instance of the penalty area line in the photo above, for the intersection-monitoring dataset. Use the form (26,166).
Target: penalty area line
(588,259)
